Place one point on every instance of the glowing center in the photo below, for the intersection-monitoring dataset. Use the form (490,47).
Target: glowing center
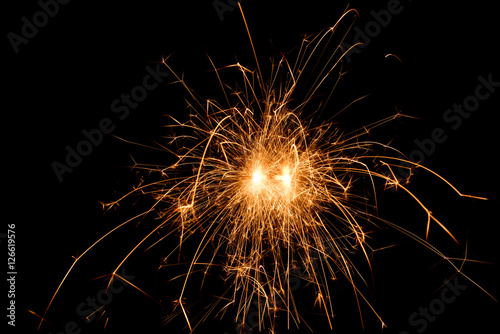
(285,177)
(261,180)
(257,178)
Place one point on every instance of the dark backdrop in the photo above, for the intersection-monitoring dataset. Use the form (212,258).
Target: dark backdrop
(64,78)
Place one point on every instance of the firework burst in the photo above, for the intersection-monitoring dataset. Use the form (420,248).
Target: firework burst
(263,188)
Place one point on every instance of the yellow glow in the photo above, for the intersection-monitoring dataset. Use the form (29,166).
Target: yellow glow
(285,177)
(258,177)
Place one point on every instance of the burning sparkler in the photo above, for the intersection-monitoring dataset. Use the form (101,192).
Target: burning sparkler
(264,188)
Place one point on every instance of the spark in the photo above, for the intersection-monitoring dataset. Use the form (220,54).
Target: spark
(262,188)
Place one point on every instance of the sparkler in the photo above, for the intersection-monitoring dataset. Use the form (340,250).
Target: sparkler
(265,188)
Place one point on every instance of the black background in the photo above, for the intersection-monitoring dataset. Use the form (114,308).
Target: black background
(65,78)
